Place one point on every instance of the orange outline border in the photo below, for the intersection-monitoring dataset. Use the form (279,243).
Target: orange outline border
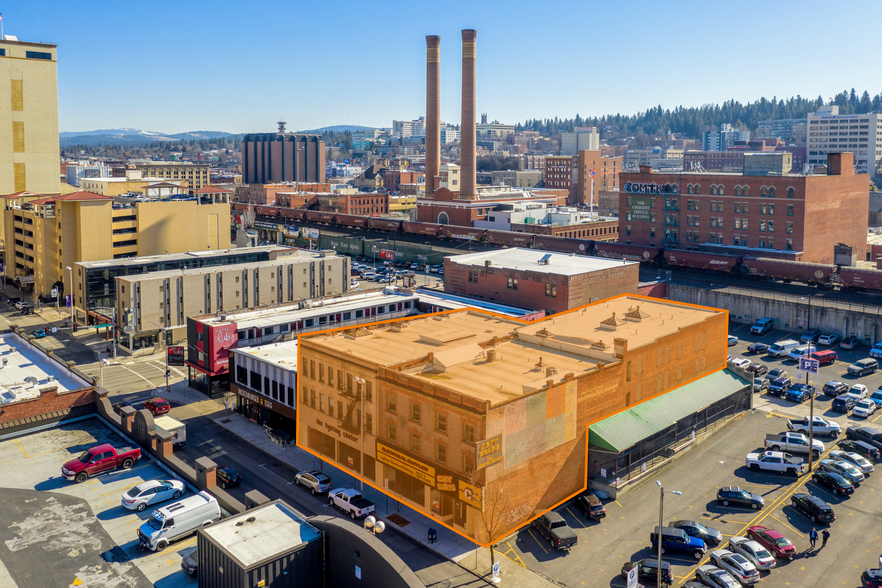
(510,319)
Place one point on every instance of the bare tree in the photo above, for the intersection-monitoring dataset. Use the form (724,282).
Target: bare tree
(492,515)
(248,216)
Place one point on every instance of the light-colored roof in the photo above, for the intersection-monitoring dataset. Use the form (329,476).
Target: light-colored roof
(528,259)
(27,371)
(262,533)
(147,259)
(282,355)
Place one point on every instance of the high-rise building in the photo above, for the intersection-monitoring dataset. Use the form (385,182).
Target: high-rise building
(722,139)
(580,139)
(29,151)
(282,157)
(861,134)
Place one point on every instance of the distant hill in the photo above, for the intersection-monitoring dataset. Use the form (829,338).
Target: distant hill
(125,136)
(338,129)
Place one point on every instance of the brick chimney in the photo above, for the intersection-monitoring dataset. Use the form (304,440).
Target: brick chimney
(468,177)
(433,115)
(840,164)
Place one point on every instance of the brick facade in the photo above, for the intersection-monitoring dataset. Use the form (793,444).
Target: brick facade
(49,402)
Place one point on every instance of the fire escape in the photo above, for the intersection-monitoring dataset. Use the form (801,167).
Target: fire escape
(350,418)
(671,239)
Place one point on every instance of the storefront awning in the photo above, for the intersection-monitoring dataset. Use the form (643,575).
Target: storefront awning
(622,430)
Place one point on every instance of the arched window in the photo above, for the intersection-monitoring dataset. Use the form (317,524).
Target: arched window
(772,192)
(689,189)
(443,219)
(745,191)
(697,189)
(790,192)
(738,190)
(763,192)
(719,190)
(713,190)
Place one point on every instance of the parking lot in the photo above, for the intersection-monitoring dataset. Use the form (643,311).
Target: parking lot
(68,531)
(604,546)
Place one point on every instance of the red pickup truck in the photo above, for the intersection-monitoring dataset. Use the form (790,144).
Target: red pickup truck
(98,459)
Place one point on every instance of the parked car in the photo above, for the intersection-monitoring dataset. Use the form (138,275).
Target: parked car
(647,571)
(843,468)
(850,343)
(863,367)
(871,578)
(740,363)
(820,426)
(118,406)
(799,392)
(782,348)
(858,392)
(865,434)
(738,566)
(40,333)
(756,553)
(862,448)
(590,506)
(99,459)
(762,326)
(858,461)
(776,461)
(864,408)
(157,406)
(316,481)
(776,373)
(758,347)
(825,356)
(780,386)
(797,352)
(712,576)
(178,520)
(843,403)
(828,339)
(757,369)
(834,388)
(12,301)
(189,563)
(876,397)
(151,492)
(793,443)
(699,531)
(735,496)
(761,384)
(676,540)
(772,540)
(810,336)
(554,527)
(732,340)
(838,484)
(813,507)
(876,351)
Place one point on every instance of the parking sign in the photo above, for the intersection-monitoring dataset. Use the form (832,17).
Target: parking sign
(632,578)
(808,364)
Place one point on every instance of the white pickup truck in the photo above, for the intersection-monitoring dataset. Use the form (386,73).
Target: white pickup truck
(351,501)
(793,443)
(820,426)
(776,461)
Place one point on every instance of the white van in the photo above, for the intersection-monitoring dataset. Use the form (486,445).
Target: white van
(170,425)
(177,520)
(782,347)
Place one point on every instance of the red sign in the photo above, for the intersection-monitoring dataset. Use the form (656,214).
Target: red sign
(175,355)
(221,339)
(387,254)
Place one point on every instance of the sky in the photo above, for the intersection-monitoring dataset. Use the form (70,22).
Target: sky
(186,65)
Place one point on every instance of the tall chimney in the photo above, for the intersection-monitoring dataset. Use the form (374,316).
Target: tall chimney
(433,116)
(467,131)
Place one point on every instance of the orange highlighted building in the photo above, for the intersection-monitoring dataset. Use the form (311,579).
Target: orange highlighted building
(481,421)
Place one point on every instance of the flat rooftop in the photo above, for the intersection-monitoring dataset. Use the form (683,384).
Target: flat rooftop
(282,355)
(148,259)
(25,371)
(261,533)
(528,259)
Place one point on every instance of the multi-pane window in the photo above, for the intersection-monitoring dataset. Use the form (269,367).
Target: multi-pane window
(737,224)
(415,443)
(468,463)
(789,226)
(468,432)
(762,226)
(391,432)
(440,453)
(440,422)
(771,226)
(391,405)
(415,412)
(789,210)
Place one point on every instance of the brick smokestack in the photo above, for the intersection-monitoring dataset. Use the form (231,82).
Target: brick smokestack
(433,115)
(467,132)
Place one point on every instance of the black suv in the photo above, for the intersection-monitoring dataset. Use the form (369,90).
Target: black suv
(591,506)
(865,434)
(861,447)
(843,403)
(780,386)
(815,508)
(834,388)
(735,496)
(647,571)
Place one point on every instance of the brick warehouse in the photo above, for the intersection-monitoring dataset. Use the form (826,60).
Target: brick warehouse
(552,281)
(467,413)
(789,215)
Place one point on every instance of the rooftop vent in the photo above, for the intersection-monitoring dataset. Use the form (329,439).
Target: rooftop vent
(612,323)
(546,259)
(545,333)
(636,314)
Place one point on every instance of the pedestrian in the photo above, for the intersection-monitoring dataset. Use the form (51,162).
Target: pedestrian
(813,537)
(826,535)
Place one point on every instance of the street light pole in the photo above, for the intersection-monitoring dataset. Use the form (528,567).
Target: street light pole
(658,537)
(165,348)
(70,271)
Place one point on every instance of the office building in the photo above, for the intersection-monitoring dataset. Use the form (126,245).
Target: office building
(606,176)
(860,134)
(74,172)
(410,128)
(282,157)
(765,211)
(560,221)
(720,140)
(134,182)
(580,139)
(195,174)
(29,151)
(394,178)
(450,208)
(448,414)
(494,132)
(657,157)
(528,178)
(790,130)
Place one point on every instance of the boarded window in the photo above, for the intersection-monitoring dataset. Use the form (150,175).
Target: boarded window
(639,364)
(679,373)
(18,170)
(680,349)
(667,353)
(704,340)
(658,360)
(17,95)
(18,137)
(666,382)
(703,362)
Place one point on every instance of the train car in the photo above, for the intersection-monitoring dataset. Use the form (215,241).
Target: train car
(561,244)
(320,216)
(861,278)
(706,261)
(296,214)
(266,211)
(623,251)
(462,233)
(383,224)
(351,220)
(509,238)
(424,229)
(779,269)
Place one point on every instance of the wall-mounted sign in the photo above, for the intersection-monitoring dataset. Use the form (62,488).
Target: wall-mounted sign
(470,494)
(263,225)
(445,483)
(410,466)
(640,206)
(638,188)
(176,355)
(488,452)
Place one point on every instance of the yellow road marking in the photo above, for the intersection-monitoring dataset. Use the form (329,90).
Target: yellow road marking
(788,525)
(530,531)
(517,558)
(617,502)
(22,449)
(575,517)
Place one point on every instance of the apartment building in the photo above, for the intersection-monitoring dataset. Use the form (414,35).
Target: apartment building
(29,151)
(791,130)
(559,171)
(195,174)
(580,139)
(466,413)
(860,134)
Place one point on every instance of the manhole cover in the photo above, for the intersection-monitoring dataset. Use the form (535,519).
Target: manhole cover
(116,555)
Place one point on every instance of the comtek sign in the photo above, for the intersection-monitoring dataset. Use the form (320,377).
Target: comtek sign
(410,466)
(640,206)
(638,188)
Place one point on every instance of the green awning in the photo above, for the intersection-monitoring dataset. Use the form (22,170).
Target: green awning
(622,430)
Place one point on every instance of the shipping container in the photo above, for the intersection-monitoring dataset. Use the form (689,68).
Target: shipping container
(706,261)
(509,238)
(351,220)
(383,224)
(463,233)
(779,269)
(861,278)
(561,244)
(426,229)
(622,251)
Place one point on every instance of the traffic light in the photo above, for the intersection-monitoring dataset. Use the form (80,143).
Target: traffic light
(167,373)
(75,326)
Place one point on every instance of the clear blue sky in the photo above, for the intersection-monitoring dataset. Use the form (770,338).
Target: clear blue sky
(183,65)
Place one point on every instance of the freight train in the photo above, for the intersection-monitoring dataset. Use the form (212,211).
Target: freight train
(744,266)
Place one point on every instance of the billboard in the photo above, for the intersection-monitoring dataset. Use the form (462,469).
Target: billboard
(387,254)
(176,355)
(310,233)
(640,206)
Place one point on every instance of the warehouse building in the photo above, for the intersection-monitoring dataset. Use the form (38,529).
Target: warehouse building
(460,414)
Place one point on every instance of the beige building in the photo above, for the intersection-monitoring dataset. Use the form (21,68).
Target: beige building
(195,174)
(164,300)
(29,152)
(46,235)
(134,182)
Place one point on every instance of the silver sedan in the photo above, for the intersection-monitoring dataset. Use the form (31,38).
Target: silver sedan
(752,550)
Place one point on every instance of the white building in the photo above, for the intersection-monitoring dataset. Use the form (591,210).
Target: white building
(493,132)
(449,134)
(532,213)
(722,139)
(831,132)
(449,174)
(581,139)
(86,170)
